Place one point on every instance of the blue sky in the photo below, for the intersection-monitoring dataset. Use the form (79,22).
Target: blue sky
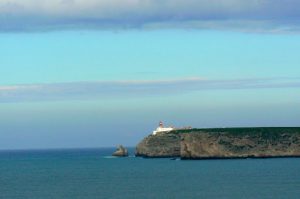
(71,82)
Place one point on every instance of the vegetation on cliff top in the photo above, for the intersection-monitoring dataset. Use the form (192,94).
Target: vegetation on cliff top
(263,132)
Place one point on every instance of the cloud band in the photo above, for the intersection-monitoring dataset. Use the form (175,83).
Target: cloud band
(250,15)
(138,88)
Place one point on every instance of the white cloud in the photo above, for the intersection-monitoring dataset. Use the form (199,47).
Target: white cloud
(18,87)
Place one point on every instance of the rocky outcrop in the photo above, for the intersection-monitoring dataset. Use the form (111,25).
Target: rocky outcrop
(121,152)
(223,143)
(160,145)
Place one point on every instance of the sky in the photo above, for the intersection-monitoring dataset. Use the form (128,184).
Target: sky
(99,73)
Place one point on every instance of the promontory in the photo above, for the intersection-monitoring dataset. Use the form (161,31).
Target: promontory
(222,143)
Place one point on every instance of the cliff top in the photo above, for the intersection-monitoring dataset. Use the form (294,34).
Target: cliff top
(243,131)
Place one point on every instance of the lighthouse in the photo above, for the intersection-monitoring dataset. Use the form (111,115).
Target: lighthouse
(161,125)
(161,128)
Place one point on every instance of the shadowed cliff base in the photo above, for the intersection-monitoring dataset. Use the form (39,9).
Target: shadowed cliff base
(223,143)
(232,158)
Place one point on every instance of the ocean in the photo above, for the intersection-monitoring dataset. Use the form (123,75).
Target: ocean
(93,173)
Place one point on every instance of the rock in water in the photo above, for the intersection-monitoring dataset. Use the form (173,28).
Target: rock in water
(121,152)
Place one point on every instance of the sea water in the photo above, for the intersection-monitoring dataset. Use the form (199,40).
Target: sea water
(93,173)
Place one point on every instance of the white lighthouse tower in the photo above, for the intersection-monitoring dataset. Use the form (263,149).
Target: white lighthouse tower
(161,128)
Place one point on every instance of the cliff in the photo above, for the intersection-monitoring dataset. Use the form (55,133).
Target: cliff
(223,143)
(160,145)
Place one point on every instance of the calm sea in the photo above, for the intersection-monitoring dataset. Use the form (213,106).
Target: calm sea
(93,173)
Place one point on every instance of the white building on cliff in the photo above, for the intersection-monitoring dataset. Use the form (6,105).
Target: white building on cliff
(161,129)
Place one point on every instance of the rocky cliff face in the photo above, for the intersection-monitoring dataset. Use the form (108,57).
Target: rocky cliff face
(223,143)
(226,145)
(160,145)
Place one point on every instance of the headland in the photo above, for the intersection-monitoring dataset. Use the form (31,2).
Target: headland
(217,143)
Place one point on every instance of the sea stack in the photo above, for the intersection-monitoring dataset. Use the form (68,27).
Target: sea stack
(121,152)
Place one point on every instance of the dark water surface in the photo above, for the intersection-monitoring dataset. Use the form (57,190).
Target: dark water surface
(92,173)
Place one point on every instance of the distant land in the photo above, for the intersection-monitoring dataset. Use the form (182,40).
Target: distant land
(217,143)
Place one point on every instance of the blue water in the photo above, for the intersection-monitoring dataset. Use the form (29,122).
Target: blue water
(92,173)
